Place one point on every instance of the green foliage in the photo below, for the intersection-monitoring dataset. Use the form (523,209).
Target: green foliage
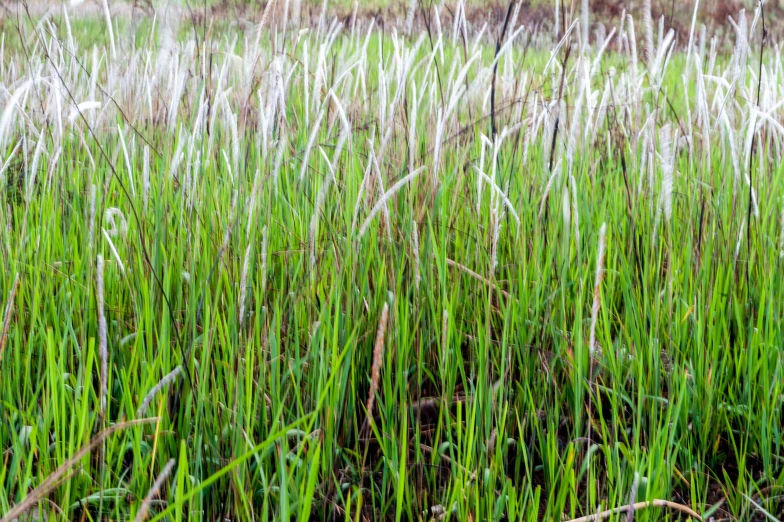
(244,265)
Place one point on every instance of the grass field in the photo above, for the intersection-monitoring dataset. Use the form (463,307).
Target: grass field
(345,273)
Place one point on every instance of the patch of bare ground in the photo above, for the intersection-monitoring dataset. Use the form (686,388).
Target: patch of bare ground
(676,13)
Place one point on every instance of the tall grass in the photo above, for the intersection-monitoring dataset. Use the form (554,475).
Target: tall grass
(342,294)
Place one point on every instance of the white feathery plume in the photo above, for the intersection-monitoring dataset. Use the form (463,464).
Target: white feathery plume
(437,29)
(167,380)
(280,149)
(244,282)
(730,134)
(82,108)
(8,162)
(440,124)
(109,28)
(495,220)
(549,186)
(33,171)
(264,245)
(296,10)
(444,339)
(91,233)
(343,137)
(650,156)
(483,143)
(689,127)
(12,104)
(712,56)
(410,12)
(575,212)
(597,287)
(177,156)
(478,38)
(314,220)
(94,72)
(146,175)
(57,108)
(666,151)
(781,233)
(263,22)
(557,48)
(156,487)
(382,98)
(115,218)
(329,164)
(254,196)
(600,33)
(740,240)
(127,161)
(647,23)
(754,205)
(701,108)
(768,118)
(691,33)
(358,204)
(741,46)
(354,17)
(380,187)
(502,52)
(285,16)
(512,22)
(754,21)
(231,119)
(574,131)
(381,203)
(662,56)
(69,34)
(703,40)
(456,21)
(103,353)
(418,275)
(313,135)
(752,126)
(598,60)
(584,18)
(412,128)
(500,193)
(322,18)
(633,46)
(115,254)
(176,96)
(601,110)
(566,208)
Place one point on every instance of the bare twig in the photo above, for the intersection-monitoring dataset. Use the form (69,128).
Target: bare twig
(637,507)
(476,276)
(51,481)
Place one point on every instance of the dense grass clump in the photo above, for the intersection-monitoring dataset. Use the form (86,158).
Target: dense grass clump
(351,273)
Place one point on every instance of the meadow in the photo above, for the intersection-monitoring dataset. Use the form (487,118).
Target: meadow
(417,269)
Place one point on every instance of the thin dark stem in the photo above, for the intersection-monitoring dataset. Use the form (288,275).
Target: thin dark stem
(103,92)
(498,43)
(754,142)
(123,188)
(426,19)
